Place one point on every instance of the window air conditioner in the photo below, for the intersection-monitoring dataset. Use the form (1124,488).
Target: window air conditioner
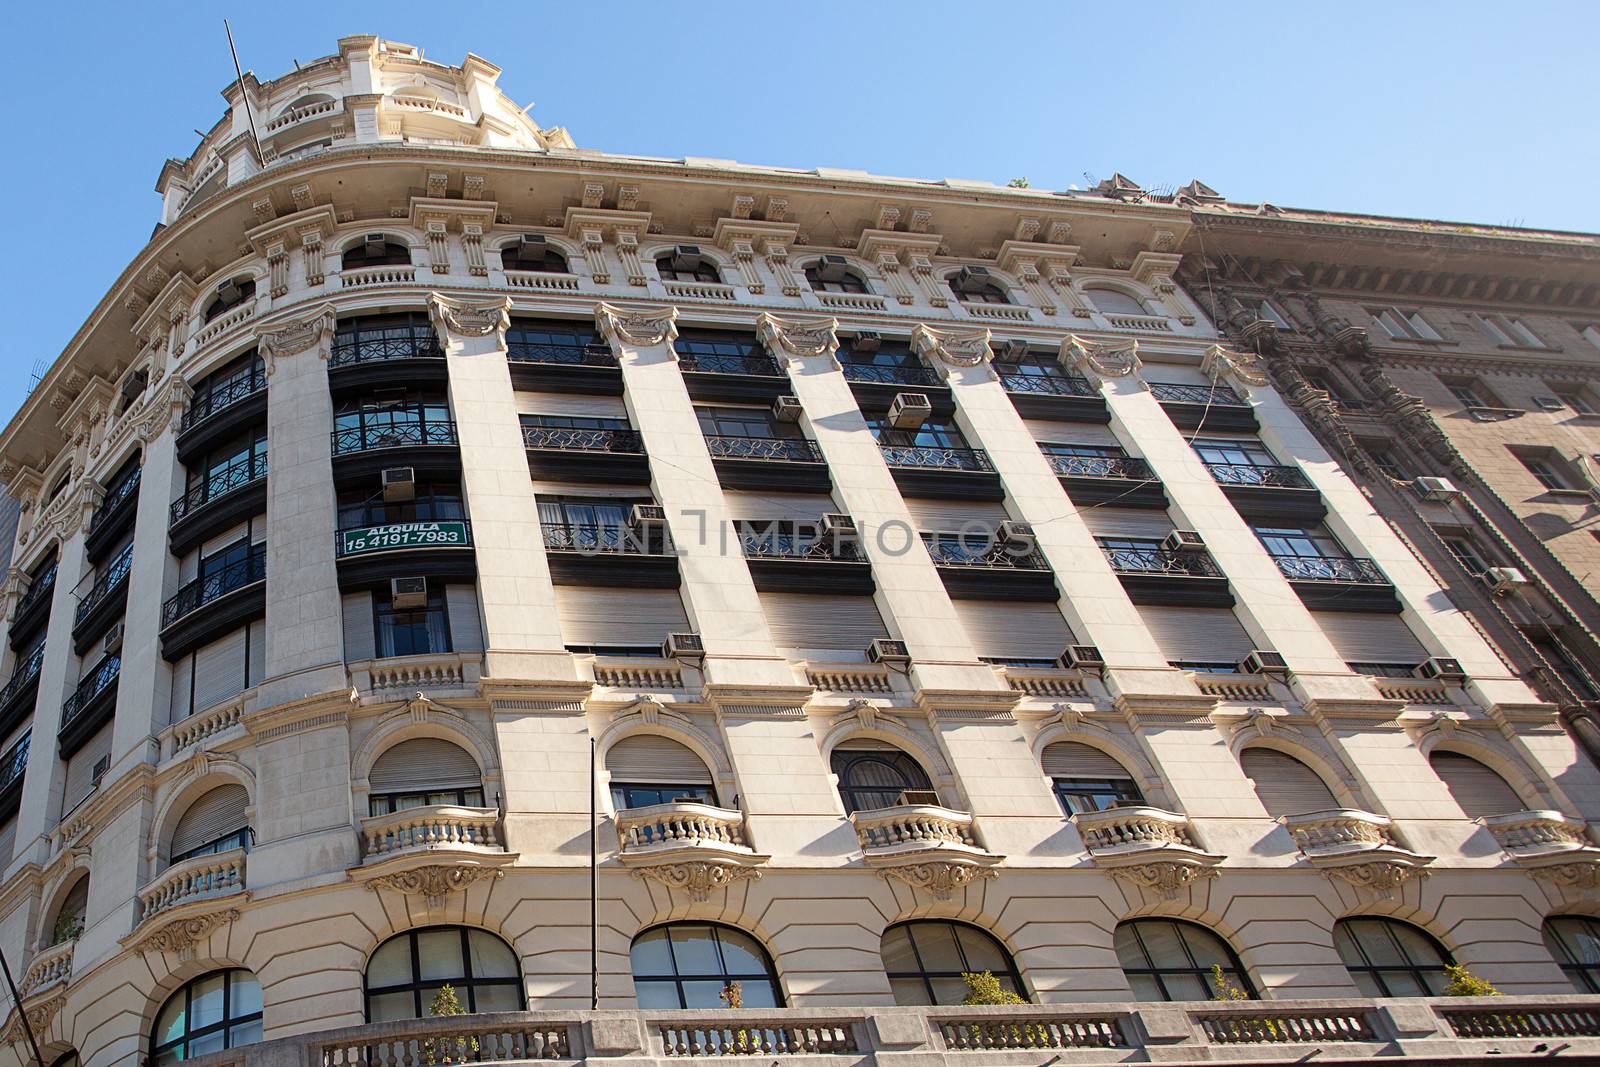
(531,241)
(1504,580)
(1436,488)
(1082,658)
(101,766)
(832,268)
(686,251)
(917,798)
(648,517)
(838,526)
(399,484)
(1264,661)
(907,411)
(678,646)
(885,650)
(1446,670)
(1013,532)
(1183,541)
(408,592)
(113,641)
(375,243)
(1013,351)
(228,291)
(868,341)
(835,261)
(786,409)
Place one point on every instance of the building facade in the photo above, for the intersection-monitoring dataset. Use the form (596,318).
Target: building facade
(928,589)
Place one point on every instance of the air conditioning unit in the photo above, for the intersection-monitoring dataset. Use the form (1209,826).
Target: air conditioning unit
(1550,403)
(1436,489)
(1183,541)
(1264,661)
(133,386)
(917,798)
(101,766)
(787,409)
(648,517)
(868,341)
(1013,351)
(907,411)
(374,244)
(838,526)
(686,251)
(1446,670)
(399,484)
(408,592)
(972,272)
(532,241)
(678,646)
(834,261)
(1013,532)
(228,291)
(113,641)
(1082,658)
(886,650)
(1504,580)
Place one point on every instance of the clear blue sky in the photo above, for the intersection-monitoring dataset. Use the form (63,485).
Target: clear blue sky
(1468,111)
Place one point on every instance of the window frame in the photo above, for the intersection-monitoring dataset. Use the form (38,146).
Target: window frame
(466,981)
(927,976)
(678,978)
(1585,977)
(381,606)
(1065,793)
(1417,971)
(704,270)
(224,1024)
(843,760)
(1235,972)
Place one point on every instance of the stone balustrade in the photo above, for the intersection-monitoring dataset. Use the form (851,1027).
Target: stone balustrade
(426,829)
(914,827)
(849,678)
(541,280)
(698,290)
(645,675)
(363,276)
(224,323)
(1045,682)
(198,727)
(200,878)
(1134,828)
(1339,831)
(999,312)
(1157,323)
(681,825)
(1234,686)
(852,301)
(1527,833)
(411,674)
(51,966)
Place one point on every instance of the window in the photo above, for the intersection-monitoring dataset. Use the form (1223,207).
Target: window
(696,965)
(743,422)
(230,294)
(1470,392)
(934,433)
(1116,302)
(405,974)
(647,769)
(1577,398)
(1509,332)
(1169,960)
(1464,549)
(1273,314)
(418,631)
(1299,542)
(1387,958)
(1383,456)
(217,1011)
(433,502)
(723,352)
(1084,779)
(1404,325)
(687,268)
(72,915)
(423,772)
(874,775)
(1029,363)
(1284,785)
(215,823)
(925,961)
(977,289)
(379,253)
(403,419)
(533,253)
(374,338)
(827,276)
(1478,790)
(226,385)
(1565,664)
(1574,941)
(553,342)
(229,465)
(1228,451)
(1544,469)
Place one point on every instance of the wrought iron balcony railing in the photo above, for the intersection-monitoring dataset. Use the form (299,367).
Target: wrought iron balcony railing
(785,449)
(22,676)
(1159,561)
(719,363)
(110,579)
(223,396)
(353,439)
(930,456)
(205,589)
(1132,468)
(787,541)
(601,539)
(1269,477)
(561,438)
(1330,569)
(115,498)
(100,680)
(886,375)
(1181,393)
(594,354)
(38,589)
(14,762)
(234,476)
(958,550)
(1048,384)
(420,344)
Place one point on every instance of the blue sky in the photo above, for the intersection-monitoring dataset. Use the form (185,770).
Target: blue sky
(1466,111)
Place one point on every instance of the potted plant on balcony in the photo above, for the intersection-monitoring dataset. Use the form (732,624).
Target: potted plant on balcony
(446,1048)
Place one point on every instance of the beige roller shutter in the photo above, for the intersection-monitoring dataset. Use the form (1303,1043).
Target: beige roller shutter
(1009,630)
(1476,788)
(647,758)
(424,764)
(1205,635)
(211,546)
(1072,433)
(592,615)
(212,815)
(1170,372)
(605,407)
(8,839)
(257,668)
(358,638)
(79,779)
(955,515)
(461,603)
(1072,759)
(182,689)
(1370,637)
(1127,522)
(1285,785)
(804,507)
(219,670)
(822,626)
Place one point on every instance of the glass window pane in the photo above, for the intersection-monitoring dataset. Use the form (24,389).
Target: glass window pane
(497,998)
(386,1007)
(704,994)
(391,964)
(760,993)
(244,1034)
(741,954)
(936,943)
(491,957)
(949,990)
(1163,945)
(245,997)
(1206,948)
(1375,940)
(656,994)
(651,955)
(695,949)
(1417,946)
(1403,984)
(1188,986)
(205,1002)
(213,1042)
(1145,988)
(1129,955)
(169,1025)
(982,952)
(908,991)
(439,953)
(897,954)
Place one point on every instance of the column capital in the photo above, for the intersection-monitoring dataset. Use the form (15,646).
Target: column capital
(799,337)
(961,346)
(1247,369)
(1098,361)
(295,335)
(469,318)
(638,326)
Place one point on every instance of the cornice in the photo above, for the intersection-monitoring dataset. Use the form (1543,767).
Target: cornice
(1433,236)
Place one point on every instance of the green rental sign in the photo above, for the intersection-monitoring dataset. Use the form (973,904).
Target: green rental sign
(403,535)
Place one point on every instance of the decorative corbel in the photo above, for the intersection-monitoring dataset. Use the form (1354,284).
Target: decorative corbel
(777,254)
(296,336)
(956,347)
(436,227)
(639,327)
(628,253)
(592,240)
(941,878)
(311,254)
(1247,368)
(469,318)
(922,271)
(798,339)
(698,878)
(1098,361)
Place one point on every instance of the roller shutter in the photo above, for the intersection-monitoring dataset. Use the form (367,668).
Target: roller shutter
(647,758)
(8,840)
(804,507)
(1071,759)
(611,493)
(219,670)
(1203,635)
(1009,630)
(227,538)
(1477,789)
(1077,433)
(1127,522)
(257,667)
(358,639)
(182,689)
(461,603)
(1168,372)
(605,407)
(213,815)
(424,764)
(79,779)
(1285,785)
(591,615)
(822,626)
(955,515)
(1370,637)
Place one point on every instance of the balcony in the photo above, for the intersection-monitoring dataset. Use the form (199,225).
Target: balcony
(792,464)
(1153,575)
(1155,849)
(564,368)
(20,692)
(1338,583)
(1063,397)
(12,767)
(432,849)
(1545,840)
(1264,491)
(90,706)
(224,499)
(384,357)
(362,452)
(1126,481)
(1213,407)
(193,881)
(103,604)
(683,830)
(114,517)
(214,604)
(51,967)
(34,608)
(395,677)
(791,556)
(1346,838)
(714,291)
(609,456)
(720,377)
(623,556)
(851,301)
(983,566)
(934,471)
(924,844)
(243,400)
(874,385)
(542,281)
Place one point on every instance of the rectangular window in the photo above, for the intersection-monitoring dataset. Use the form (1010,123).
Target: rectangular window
(1404,325)
(1464,549)
(1242,452)
(1312,543)
(1508,331)
(743,422)
(1544,469)
(1470,392)
(930,434)
(417,631)
(1273,314)
(1384,456)
(1575,397)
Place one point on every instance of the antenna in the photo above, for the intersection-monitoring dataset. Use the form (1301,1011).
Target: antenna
(249,112)
(36,375)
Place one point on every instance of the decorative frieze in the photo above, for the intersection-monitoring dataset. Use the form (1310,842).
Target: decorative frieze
(182,935)
(940,878)
(1099,360)
(1165,878)
(295,336)
(1246,368)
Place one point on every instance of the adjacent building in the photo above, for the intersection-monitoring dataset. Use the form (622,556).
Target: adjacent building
(888,580)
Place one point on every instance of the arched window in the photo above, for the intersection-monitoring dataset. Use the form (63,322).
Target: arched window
(1086,779)
(647,769)
(925,961)
(215,822)
(695,965)
(832,274)
(874,774)
(1478,790)
(974,285)
(685,263)
(72,915)
(230,293)
(407,971)
(422,772)
(533,252)
(1574,941)
(376,250)
(1165,959)
(67,1059)
(1388,958)
(1116,302)
(1285,785)
(216,1011)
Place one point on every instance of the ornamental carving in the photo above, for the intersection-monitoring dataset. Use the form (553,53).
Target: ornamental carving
(1165,877)
(939,877)
(698,878)
(40,1016)
(1580,878)
(815,337)
(1380,877)
(469,318)
(295,337)
(434,882)
(181,936)
(640,327)
(1249,369)
(1110,359)
(956,347)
